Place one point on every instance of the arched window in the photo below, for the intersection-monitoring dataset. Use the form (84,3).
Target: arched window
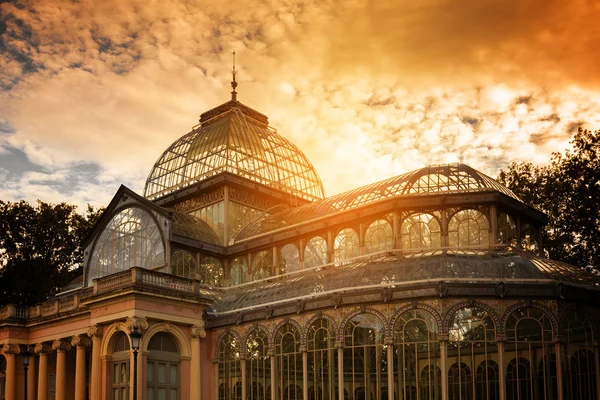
(229,367)
(258,365)
(472,336)
(365,361)
(529,238)
(507,230)
(238,271)
(130,239)
(468,228)
(420,231)
(262,265)
(120,366)
(322,360)
(315,252)
(487,381)
(416,356)
(288,359)
(210,271)
(431,382)
(581,373)
(345,245)
(518,380)
(162,368)
(290,258)
(529,337)
(183,263)
(547,378)
(378,236)
(460,385)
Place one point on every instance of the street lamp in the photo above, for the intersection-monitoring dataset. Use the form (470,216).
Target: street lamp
(25,360)
(135,337)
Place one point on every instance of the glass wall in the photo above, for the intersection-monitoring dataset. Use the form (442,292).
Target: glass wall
(580,363)
(420,231)
(345,245)
(468,228)
(239,216)
(379,236)
(315,252)
(262,265)
(229,369)
(208,270)
(288,358)
(238,271)
(322,361)
(290,258)
(214,216)
(365,357)
(130,239)
(416,356)
(258,365)
(507,230)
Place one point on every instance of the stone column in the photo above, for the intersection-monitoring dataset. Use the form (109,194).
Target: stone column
(273,376)
(61,347)
(95,332)
(390,366)
(197,333)
(42,389)
(500,339)
(244,372)
(141,324)
(559,370)
(340,357)
(31,377)
(9,351)
(80,344)
(304,372)
(216,375)
(443,364)
(493,225)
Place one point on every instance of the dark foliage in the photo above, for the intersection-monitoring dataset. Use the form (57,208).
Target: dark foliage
(40,249)
(568,191)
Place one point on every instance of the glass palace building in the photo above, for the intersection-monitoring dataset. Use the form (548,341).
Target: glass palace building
(248,283)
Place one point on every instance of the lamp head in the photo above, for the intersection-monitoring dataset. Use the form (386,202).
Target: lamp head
(135,335)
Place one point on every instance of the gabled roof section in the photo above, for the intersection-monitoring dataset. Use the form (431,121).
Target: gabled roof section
(237,139)
(431,180)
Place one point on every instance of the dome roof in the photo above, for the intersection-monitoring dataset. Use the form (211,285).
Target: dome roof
(237,139)
(431,180)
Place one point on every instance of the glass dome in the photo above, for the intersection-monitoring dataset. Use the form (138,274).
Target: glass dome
(234,138)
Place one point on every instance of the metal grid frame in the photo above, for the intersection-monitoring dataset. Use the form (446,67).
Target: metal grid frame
(431,180)
(234,142)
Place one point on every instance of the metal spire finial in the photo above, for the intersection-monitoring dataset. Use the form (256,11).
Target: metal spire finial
(233,83)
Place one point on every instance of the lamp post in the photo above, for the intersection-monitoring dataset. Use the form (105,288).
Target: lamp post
(135,335)
(25,360)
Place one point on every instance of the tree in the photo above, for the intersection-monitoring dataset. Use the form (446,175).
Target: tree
(568,191)
(40,249)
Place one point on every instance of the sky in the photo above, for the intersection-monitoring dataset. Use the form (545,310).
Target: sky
(92,92)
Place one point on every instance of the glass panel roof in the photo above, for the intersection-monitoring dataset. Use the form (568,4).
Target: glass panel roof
(193,227)
(395,268)
(231,140)
(431,180)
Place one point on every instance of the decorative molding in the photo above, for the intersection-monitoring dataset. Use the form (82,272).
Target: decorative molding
(198,331)
(201,201)
(42,348)
(95,331)
(136,322)
(11,348)
(80,341)
(61,345)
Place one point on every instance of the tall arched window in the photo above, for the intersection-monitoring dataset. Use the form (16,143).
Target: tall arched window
(162,368)
(417,356)
(258,365)
(120,366)
(210,271)
(322,360)
(262,265)
(507,230)
(183,263)
(289,363)
(471,345)
(529,338)
(290,258)
(468,228)
(420,231)
(581,373)
(365,361)
(229,367)
(238,271)
(315,252)
(130,239)
(345,245)
(378,236)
